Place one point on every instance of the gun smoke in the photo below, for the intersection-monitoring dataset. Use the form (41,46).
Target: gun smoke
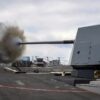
(9,48)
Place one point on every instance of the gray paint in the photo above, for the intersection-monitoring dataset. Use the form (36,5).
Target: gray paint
(86,50)
(88,74)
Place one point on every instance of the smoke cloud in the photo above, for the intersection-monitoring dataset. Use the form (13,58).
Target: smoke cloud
(10,50)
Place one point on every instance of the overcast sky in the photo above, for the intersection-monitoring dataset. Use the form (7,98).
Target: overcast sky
(50,20)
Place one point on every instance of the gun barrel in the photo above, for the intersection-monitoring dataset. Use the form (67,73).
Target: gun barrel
(49,42)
